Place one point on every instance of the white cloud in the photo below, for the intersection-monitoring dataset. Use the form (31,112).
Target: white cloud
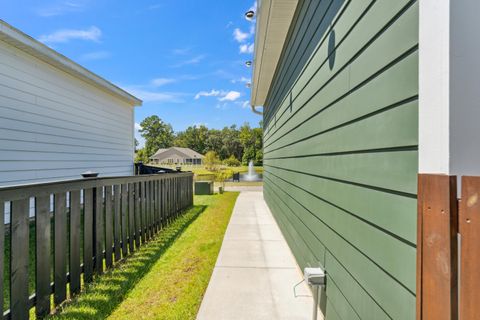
(245,104)
(230,96)
(137,126)
(222,95)
(62,7)
(211,93)
(193,60)
(239,35)
(181,51)
(158,82)
(153,96)
(242,80)
(65,35)
(247,48)
(97,55)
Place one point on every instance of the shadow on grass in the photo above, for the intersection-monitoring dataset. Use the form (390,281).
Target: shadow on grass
(103,296)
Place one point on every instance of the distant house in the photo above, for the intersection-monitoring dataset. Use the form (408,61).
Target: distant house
(57,119)
(176,155)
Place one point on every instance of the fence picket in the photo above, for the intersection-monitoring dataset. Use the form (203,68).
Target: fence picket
(116,223)
(108,226)
(42,255)
(143,194)
(131,217)
(123,220)
(469,227)
(147,210)
(19,259)
(87,235)
(137,215)
(75,227)
(99,230)
(60,249)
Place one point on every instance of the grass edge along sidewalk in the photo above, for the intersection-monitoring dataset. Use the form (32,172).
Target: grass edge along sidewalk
(167,278)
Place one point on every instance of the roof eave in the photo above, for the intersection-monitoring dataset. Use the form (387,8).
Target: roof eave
(274,18)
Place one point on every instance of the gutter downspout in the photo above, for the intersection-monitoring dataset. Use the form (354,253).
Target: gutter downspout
(256,111)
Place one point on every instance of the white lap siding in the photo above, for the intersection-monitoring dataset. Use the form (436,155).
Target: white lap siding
(54,126)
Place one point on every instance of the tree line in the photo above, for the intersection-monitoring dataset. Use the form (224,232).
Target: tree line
(233,145)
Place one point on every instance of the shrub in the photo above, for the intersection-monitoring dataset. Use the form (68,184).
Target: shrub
(142,156)
(211,161)
(232,161)
(222,175)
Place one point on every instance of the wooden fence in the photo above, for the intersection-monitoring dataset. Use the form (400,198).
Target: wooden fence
(448,248)
(103,221)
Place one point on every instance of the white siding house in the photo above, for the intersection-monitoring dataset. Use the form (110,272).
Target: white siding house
(58,119)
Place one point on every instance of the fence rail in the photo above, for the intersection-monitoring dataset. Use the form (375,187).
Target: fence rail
(93,224)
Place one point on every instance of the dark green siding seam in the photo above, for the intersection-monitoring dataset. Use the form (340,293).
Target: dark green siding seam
(342,153)
(306,243)
(279,82)
(347,123)
(292,36)
(396,192)
(391,234)
(394,62)
(372,40)
(331,253)
(351,60)
(268,103)
(332,279)
(297,48)
(320,45)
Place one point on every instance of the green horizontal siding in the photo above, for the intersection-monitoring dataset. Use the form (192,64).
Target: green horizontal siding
(340,152)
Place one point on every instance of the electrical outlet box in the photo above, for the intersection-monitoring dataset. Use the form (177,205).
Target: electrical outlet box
(314,276)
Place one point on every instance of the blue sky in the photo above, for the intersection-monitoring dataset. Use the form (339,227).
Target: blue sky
(184,58)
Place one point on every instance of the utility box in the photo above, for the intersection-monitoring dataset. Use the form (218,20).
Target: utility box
(203,187)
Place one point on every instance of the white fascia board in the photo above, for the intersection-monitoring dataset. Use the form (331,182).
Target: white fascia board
(434,87)
(449,87)
(274,18)
(29,45)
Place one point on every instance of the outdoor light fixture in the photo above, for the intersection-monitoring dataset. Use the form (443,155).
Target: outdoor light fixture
(249,15)
(248,63)
(89,174)
(248,85)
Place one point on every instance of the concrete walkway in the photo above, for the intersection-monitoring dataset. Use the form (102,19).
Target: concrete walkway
(255,271)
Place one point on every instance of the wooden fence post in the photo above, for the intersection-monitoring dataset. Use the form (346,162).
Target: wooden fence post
(469,227)
(437,297)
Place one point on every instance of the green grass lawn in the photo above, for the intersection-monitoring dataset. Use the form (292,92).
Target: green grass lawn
(165,279)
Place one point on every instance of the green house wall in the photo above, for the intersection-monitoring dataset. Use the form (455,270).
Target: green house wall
(340,157)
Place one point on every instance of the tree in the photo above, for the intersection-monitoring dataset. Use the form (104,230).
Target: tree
(231,143)
(157,134)
(211,161)
(141,156)
(214,142)
(194,138)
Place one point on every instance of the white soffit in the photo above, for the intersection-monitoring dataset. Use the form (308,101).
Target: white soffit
(273,22)
(27,44)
